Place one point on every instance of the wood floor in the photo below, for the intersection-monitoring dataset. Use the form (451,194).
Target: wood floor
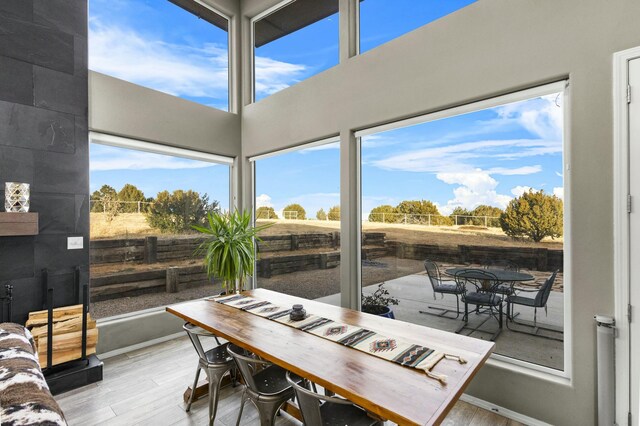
(145,387)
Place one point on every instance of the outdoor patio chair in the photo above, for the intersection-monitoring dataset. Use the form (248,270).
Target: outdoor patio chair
(267,386)
(215,362)
(485,296)
(538,301)
(505,288)
(443,287)
(321,410)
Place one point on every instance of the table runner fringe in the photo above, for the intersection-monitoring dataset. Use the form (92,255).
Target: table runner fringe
(456,358)
(439,377)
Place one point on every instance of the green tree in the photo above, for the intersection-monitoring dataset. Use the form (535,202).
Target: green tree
(321,215)
(534,215)
(459,216)
(265,212)
(99,197)
(422,212)
(384,213)
(302,214)
(491,213)
(177,212)
(334,213)
(129,196)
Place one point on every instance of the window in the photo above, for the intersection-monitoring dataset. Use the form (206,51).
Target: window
(384,20)
(479,187)
(144,199)
(293,43)
(298,193)
(157,44)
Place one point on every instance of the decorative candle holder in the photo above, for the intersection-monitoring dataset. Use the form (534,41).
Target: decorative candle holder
(297,313)
(16,197)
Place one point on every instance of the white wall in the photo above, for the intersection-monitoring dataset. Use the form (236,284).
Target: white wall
(489,48)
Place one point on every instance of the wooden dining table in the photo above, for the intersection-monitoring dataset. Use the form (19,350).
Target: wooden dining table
(400,394)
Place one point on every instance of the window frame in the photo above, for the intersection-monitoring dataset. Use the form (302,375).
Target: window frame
(560,86)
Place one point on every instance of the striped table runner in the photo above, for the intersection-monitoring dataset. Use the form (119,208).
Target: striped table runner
(368,341)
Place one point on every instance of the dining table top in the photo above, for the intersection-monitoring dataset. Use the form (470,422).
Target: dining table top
(500,274)
(403,395)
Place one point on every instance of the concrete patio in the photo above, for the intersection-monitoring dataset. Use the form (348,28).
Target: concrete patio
(415,295)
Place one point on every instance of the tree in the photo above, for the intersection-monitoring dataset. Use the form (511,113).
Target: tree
(321,215)
(265,212)
(129,196)
(422,211)
(460,216)
(302,214)
(99,197)
(384,213)
(535,215)
(491,213)
(334,213)
(176,212)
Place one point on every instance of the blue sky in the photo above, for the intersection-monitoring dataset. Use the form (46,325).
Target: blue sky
(486,157)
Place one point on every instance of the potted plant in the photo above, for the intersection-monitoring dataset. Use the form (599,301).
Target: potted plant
(229,250)
(379,302)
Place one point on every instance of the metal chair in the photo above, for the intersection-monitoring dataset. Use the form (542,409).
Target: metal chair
(485,295)
(266,384)
(505,288)
(215,362)
(321,410)
(538,301)
(443,287)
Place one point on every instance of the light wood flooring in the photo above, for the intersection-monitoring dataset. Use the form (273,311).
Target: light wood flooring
(145,387)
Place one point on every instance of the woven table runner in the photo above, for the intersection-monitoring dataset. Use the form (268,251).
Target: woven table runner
(365,340)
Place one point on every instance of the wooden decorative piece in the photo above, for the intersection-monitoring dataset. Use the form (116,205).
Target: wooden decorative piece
(18,224)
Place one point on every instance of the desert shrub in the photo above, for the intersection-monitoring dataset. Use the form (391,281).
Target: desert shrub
(99,198)
(492,213)
(302,214)
(418,212)
(534,215)
(266,213)
(334,213)
(321,214)
(178,211)
(389,212)
(129,196)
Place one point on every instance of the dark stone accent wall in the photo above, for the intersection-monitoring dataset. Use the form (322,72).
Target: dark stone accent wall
(44,142)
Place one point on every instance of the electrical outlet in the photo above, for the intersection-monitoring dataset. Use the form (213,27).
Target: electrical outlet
(75,243)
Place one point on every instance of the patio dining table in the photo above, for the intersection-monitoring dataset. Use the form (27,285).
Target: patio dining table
(403,395)
(501,275)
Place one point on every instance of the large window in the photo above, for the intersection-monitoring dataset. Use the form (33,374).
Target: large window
(182,51)
(384,20)
(293,43)
(479,190)
(143,205)
(298,193)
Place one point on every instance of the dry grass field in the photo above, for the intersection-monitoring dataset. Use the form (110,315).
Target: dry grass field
(131,225)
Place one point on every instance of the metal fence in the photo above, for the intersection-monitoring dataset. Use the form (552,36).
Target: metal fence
(435,219)
(104,206)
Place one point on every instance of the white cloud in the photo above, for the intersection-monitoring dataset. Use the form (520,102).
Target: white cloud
(176,69)
(559,192)
(519,190)
(525,170)
(138,160)
(474,188)
(263,200)
(543,119)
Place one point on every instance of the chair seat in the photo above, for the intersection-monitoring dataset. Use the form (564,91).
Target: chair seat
(519,300)
(334,414)
(482,299)
(504,289)
(218,355)
(272,380)
(447,288)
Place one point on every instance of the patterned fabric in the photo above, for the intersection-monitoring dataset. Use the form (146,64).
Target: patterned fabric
(24,395)
(369,341)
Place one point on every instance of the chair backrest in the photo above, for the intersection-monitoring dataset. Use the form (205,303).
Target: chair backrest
(248,363)
(504,264)
(195,340)
(433,272)
(542,296)
(310,403)
(482,280)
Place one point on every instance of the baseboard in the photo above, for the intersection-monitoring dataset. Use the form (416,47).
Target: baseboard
(529,421)
(141,345)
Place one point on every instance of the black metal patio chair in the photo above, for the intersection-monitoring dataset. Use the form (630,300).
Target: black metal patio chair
(540,300)
(485,296)
(442,287)
(505,288)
